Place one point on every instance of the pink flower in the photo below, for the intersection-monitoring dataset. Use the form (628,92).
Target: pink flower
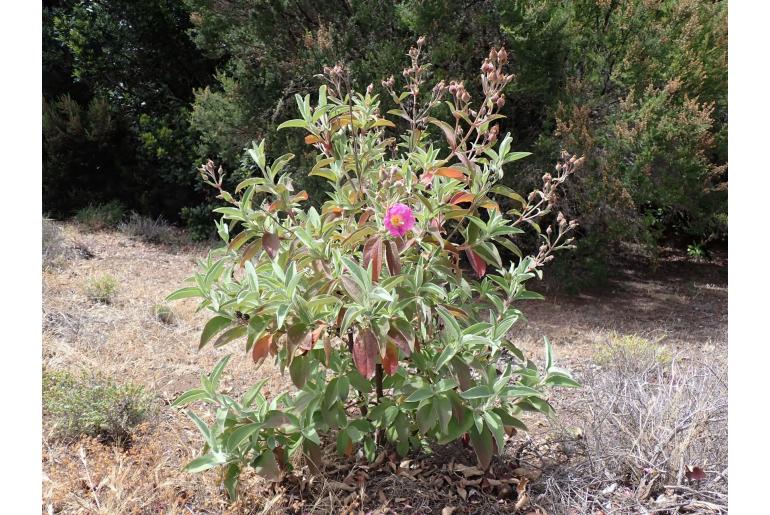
(399,219)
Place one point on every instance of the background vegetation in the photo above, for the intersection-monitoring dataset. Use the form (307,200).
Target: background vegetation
(137,94)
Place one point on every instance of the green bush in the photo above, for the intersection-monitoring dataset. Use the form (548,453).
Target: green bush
(392,295)
(164,314)
(102,289)
(96,217)
(631,349)
(88,405)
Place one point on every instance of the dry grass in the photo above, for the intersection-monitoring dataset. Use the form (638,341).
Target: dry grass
(127,341)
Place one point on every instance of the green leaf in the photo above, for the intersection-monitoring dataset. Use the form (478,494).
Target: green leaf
(212,327)
(216,373)
(477,392)
(483,446)
(189,396)
(558,379)
(242,433)
(205,462)
(495,425)
(185,293)
(267,466)
(230,335)
(292,124)
(422,393)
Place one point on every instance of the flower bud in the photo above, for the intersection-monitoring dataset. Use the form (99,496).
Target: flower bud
(501,101)
(487,67)
(369,89)
(492,54)
(466,97)
(547,178)
(453,88)
(502,56)
(421,41)
(549,230)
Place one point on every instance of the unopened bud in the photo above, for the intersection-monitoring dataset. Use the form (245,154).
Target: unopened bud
(453,88)
(502,56)
(487,67)
(547,178)
(548,259)
(492,54)
(573,224)
(369,89)
(421,41)
(549,230)
(466,97)
(501,101)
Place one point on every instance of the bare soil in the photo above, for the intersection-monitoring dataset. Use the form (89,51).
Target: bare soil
(682,306)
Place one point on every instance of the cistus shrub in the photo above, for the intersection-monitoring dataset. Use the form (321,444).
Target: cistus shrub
(392,297)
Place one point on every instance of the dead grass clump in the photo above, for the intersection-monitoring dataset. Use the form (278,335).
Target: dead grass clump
(651,437)
(54,248)
(151,230)
(57,249)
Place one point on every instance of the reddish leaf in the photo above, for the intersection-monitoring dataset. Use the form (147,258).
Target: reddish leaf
(251,251)
(390,361)
(298,337)
(365,350)
(261,348)
(478,264)
(694,473)
(426,178)
(401,341)
(373,255)
(461,196)
(271,244)
(364,217)
(392,258)
(317,332)
(452,173)
(302,195)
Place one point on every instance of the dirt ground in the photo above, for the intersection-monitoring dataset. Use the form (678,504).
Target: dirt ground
(682,306)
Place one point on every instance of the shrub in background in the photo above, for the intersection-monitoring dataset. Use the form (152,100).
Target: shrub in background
(151,230)
(102,289)
(88,405)
(393,295)
(96,217)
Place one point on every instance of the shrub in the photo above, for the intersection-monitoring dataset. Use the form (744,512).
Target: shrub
(645,426)
(631,349)
(92,406)
(96,217)
(151,230)
(393,296)
(102,289)
(163,313)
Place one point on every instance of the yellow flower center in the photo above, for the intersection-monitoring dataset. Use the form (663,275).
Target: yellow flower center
(396,221)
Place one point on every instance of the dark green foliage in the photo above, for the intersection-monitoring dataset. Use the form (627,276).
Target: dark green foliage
(118,79)
(86,405)
(638,86)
